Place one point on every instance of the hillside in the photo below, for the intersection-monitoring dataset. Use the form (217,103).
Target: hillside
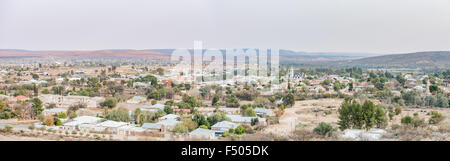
(422,60)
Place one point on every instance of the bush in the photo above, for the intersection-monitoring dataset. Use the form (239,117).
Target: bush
(231,130)
(203,127)
(254,121)
(109,102)
(250,112)
(436,117)
(239,130)
(225,134)
(406,120)
(398,110)
(323,129)
(354,115)
(180,129)
(8,128)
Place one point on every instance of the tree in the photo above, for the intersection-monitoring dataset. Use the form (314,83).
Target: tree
(217,117)
(254,121)
(323,129)
(239,130)
(120,114)
(289,100)
(250,112)
(187,86)
(35,76)
(353,115)
(57,122)
(215,100)
(380,117)
(168,109)
(433,88)
(180,129)
(49,121)
(200,120)
(398,110)
(154,102)
(36,107)
(109,102)
(137,115)
(191,125)
(160,71)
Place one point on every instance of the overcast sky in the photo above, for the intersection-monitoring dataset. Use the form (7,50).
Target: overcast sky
(374,26)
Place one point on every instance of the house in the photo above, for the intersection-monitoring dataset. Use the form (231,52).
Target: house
(112,126)
(152,126)
(244,119)
(158,106)
(202,134)
(130,130)
(169,124)
(76,122)
(141,84)
(264,112)
(53,111)
(21,98)
(67,101)
(170,117)
(222,126)
(137,100)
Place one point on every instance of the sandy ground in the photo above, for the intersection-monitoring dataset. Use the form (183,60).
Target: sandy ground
(306,114)
(20,138)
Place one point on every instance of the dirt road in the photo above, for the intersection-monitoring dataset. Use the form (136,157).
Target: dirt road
(306,114)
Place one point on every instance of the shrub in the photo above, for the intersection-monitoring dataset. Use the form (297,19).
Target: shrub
(180,129)
(254,121)
(8,128)
(406,120)
(225,134)
(203,127)
(398,110)
(231,130)
(418,122)
(109,102)
(239,130)
(436,117)
(323,129)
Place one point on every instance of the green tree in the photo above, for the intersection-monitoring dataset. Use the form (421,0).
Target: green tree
(254,121)
(120,114)
(250,112)
(203,127)
(433,88)
(36,107)
(217,117)
(109,102)
(239,130)
(289,100)
(200,120)
(168,109)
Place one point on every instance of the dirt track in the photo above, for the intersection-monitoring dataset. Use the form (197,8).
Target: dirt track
(307,113)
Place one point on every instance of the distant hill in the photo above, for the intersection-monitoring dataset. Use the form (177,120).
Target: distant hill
(285,55)
(423,60)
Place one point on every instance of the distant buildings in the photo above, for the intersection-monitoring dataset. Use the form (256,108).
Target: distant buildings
(66,101)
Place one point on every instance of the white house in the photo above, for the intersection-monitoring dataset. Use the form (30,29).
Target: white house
(202,134)
(222,126)
(137,99)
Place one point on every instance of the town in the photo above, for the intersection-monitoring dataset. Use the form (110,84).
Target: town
(127,100)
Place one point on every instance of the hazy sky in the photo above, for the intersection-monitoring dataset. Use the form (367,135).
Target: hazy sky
(374,26)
